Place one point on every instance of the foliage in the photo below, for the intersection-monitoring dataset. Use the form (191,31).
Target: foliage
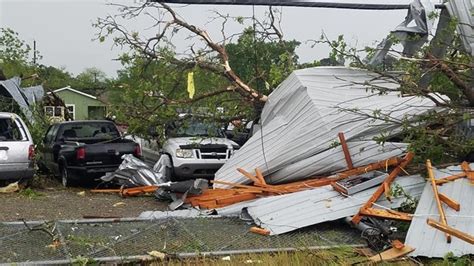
(150,94)
(30,193)
(441,135)
(92,80)
(264,64)
(14,55)
(451,260)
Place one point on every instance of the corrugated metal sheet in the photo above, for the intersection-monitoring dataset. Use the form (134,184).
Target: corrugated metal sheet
(462,10)
(430,242)
(362,153)
(306,112)
(285,213)
(185,213)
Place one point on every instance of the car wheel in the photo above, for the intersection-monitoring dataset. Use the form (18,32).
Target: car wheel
(65,179)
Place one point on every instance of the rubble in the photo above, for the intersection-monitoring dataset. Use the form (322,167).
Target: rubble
(454,183)
(303,116)
(285,213)
(133,173)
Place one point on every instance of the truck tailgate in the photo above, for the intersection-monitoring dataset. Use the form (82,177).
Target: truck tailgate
(107,153)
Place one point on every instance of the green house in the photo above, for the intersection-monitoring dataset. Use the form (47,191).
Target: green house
(81,106)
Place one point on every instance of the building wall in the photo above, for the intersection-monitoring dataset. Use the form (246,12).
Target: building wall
(81,103)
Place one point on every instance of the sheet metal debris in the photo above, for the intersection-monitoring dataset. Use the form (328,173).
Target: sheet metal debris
(303,116)
(430,242)
(285,213)
(134,173)
(24,97)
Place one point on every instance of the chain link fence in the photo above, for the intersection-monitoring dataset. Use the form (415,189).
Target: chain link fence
(69,240)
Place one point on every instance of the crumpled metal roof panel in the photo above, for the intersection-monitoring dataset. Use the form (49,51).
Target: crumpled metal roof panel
(430,242)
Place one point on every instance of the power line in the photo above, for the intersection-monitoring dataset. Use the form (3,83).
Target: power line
(301,3)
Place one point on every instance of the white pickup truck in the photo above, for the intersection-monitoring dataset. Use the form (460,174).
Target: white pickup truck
(195,149)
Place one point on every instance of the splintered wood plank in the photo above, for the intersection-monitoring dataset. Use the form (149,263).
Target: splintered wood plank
(449,178)
(449,201)
(265,189)
(397,244)
(235,199)
(260,231)
(467,169)
(345,150)
(442,215)
(387,214)
(378,193)
(451,231)
(259,176)
(249,176)
(386,188)
(391,254)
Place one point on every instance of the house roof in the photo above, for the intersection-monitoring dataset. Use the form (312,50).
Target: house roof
(76,91)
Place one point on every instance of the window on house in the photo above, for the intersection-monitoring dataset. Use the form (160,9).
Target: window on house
(54,111)
(58,111)
(49,110)
(71,108)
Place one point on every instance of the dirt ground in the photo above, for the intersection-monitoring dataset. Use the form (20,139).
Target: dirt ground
(46,199)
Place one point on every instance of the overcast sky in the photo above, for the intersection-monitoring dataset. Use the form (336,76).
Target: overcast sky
(63,29)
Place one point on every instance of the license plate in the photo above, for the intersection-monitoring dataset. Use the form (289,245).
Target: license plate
(3,155)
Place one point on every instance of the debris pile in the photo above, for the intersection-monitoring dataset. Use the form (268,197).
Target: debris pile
(316,159)
(301,121)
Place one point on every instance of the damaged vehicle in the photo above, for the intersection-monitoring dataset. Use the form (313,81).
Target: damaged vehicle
(84,150)
(17,150)
(196,149)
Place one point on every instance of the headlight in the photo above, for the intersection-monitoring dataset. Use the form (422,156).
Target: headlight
(184,153)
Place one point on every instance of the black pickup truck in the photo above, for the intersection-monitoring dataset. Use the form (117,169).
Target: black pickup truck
(84,150)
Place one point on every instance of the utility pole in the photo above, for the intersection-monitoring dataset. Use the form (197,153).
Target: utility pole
(34,52)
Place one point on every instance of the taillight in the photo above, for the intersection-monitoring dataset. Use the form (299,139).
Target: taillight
(138,151)
(81,153)
(31,152)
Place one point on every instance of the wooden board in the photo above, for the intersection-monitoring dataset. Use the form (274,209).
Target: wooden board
(391,254)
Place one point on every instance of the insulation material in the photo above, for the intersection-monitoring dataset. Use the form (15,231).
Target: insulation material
(303,116)
(430,242)
(285,213)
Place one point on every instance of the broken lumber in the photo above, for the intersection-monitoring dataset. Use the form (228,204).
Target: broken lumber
(451,231)
(386,214)
(391,254)
(442,215)
(467,169)
(259,230)
(345,150)
(378,193)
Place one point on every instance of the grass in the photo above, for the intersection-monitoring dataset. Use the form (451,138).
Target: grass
(30,193)
(336,256)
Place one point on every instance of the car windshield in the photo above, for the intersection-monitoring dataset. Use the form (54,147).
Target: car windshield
(89,130)
(195,129)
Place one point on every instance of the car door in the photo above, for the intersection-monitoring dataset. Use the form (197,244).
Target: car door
(14,143)
(48,148)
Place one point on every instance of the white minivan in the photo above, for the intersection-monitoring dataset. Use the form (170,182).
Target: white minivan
(17,150)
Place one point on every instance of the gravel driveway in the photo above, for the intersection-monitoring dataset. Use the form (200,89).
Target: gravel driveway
(48,200)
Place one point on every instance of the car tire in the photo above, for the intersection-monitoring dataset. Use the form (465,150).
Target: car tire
(65,178)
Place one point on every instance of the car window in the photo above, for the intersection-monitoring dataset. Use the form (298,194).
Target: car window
(11,131)
(49,135)
(89,130)
(194,128)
